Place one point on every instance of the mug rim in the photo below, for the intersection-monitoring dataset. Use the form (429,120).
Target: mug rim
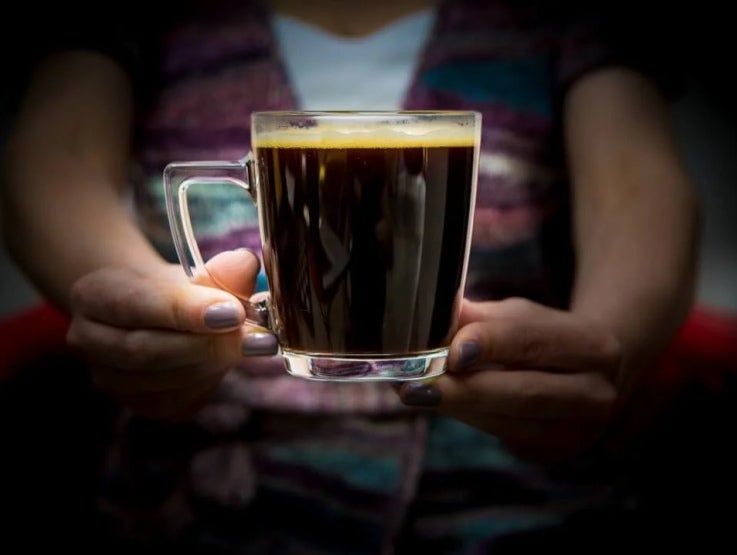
(346,126)
(363,113)
(305,119)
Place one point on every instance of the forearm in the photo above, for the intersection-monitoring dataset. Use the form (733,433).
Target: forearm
(637,270)
(65,168)
(59,237)
(636,222)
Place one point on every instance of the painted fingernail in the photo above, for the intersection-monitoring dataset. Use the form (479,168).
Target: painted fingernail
(222,315)
(468,353)
(260,343)
(417,394)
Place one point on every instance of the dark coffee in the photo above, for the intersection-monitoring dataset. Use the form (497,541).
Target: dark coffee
(364,246)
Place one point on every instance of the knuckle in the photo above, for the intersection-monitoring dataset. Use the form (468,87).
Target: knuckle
(515,340)
(520,305)
(609,349)
(179,309)
(134,351)
(531,348)
(85,290)
(122,298)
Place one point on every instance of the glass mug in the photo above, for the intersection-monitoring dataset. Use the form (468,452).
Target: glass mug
(365,221)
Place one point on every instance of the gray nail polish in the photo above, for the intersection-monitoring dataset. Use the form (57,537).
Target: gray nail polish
(419,394)
(468,353)
(260,343)
(222,315)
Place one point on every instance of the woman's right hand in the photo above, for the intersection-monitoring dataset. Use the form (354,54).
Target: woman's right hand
(160,343)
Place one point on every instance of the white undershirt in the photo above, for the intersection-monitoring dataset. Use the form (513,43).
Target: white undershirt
(329,72)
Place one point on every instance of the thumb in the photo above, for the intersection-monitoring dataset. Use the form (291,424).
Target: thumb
(232,271)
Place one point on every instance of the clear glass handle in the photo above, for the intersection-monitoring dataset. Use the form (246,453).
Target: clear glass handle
(178,178)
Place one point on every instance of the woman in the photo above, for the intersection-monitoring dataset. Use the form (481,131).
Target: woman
(577,157)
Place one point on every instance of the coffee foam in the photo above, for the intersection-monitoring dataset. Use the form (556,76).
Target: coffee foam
(406,136)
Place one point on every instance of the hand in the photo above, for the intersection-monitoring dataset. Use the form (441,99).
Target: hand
(160,343)
(542,380)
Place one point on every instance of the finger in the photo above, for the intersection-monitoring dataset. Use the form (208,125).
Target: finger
(474,311)
(233,271)
(120,297)
(143,349)
(519,333)
(527,394)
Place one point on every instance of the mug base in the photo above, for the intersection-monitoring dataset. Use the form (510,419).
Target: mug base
(366,368)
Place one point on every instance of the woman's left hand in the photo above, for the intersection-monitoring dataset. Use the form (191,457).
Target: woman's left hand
(541,379)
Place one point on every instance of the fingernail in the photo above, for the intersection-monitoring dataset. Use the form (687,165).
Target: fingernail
(260,343)
(468,353)
(418,394)
(222,315)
